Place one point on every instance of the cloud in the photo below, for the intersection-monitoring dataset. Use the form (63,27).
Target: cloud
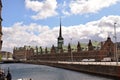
(65,7)
(88,6)
(43,9)
(20,35)
(46,8)
(34,34)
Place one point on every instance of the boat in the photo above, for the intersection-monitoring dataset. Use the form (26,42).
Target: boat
(25,79)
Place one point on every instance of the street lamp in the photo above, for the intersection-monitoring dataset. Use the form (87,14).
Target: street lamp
(115,54)
(71,51)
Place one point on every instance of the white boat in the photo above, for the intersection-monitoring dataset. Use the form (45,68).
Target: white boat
(25,79)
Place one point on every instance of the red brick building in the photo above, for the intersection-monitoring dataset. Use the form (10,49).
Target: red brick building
(106,50)
(23,53)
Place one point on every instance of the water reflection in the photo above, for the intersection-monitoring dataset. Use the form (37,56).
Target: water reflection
(41,72)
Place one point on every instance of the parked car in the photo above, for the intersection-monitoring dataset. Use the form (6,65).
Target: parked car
(84,60)
(91,60)
(107,59)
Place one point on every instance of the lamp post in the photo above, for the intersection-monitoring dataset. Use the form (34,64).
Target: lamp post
(71,51)
(115,54)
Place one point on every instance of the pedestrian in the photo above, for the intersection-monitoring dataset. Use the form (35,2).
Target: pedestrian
(9,77)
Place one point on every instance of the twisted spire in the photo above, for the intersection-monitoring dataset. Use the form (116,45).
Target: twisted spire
(60,31)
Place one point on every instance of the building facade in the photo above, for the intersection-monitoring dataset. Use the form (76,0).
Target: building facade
(6,55)
(38,53)
(23,53)
(107,50)
(0,26)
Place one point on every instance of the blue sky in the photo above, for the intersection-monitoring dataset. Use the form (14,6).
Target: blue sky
(15,11)
(36,22)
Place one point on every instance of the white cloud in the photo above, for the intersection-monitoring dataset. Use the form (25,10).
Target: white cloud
(88,6)
(48,8)
(19,35)
(65,7)
(43,9)
(35,34)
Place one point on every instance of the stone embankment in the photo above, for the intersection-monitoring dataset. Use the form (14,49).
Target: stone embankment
(100,68)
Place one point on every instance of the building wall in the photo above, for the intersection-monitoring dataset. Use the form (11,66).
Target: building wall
(0,25)
(98,55)
(107,50)
(6,55)
(23,53)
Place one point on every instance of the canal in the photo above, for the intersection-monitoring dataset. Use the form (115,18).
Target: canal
(41,72)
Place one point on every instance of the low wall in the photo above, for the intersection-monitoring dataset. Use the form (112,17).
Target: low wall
(104,70)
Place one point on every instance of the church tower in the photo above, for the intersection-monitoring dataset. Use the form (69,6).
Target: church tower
(60,38)
(0,25)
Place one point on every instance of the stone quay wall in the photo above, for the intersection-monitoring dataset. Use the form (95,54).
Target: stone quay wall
(103,70)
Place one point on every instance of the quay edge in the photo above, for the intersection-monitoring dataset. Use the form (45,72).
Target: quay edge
(100,70)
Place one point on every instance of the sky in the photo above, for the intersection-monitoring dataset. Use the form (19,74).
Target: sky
(36,22)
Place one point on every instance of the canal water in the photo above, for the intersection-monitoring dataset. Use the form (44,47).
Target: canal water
(41,72)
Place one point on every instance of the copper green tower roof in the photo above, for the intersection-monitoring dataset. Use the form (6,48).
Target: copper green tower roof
(60,38)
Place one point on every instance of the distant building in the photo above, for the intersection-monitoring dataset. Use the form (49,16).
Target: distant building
(107,49)
(6,55)
(118,45)
(0,26)
(23,53)
(118,49)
